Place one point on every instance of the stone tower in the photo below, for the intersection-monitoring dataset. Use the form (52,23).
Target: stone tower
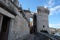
(42,19)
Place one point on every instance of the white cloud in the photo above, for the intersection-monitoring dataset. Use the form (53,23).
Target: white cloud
(50,3)
(55,25)
(55,10)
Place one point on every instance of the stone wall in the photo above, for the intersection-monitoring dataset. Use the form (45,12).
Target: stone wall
(19,28)
(42,20)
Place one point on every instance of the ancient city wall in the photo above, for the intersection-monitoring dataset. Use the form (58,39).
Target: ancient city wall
(19,28)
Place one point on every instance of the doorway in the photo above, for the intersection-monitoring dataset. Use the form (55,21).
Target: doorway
(5,28)
(34,23)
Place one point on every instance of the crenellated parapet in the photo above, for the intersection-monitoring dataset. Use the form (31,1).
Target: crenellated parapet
(42,10)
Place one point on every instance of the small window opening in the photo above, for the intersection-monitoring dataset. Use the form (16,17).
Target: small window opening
(43,26)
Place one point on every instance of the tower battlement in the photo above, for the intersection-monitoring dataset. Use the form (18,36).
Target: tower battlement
(42,10)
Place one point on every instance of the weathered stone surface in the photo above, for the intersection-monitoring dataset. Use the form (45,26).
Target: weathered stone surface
(18,25)
(42,19)
(6,13)
(20,28)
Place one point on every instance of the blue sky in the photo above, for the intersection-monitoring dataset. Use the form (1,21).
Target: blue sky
(53,5)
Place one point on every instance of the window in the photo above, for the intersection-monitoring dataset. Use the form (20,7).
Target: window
(43,26)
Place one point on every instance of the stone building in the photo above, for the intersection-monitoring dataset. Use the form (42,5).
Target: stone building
(54,30)
(13,23)
(42,19)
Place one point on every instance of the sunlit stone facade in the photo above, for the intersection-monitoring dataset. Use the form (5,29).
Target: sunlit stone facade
(42,19)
